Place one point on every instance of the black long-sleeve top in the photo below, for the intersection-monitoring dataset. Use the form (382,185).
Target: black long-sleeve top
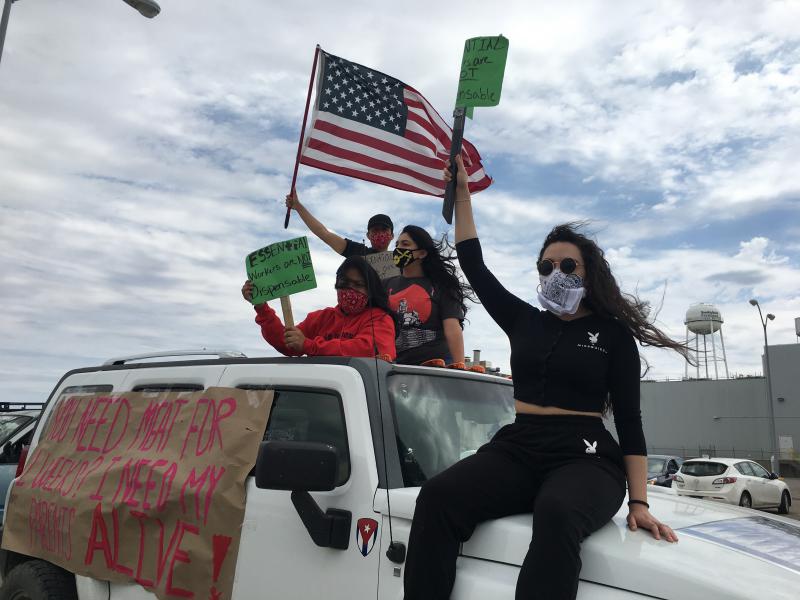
(573,365)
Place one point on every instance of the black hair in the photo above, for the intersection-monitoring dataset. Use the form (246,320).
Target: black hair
(375,291)
(439,266)
(603,295)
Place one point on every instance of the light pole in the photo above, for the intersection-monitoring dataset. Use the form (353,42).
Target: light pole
(148,8)
(4,23)
(772,433)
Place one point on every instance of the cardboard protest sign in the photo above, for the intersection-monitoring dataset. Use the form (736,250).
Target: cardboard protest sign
(280,269)
(482,68)
(144,487)
(383,263)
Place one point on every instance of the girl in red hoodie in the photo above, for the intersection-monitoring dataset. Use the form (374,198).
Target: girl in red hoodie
(361,324)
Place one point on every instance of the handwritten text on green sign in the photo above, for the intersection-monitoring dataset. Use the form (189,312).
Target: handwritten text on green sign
(482,68)
(280,269)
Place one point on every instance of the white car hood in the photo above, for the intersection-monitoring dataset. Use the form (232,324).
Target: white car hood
(724,551)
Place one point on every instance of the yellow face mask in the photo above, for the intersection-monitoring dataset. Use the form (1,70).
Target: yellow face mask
(403,257)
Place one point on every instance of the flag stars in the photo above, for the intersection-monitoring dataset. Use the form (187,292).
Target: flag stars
(383,123)
(370,74)
(355,113)
(397,127)
(340,108)
(349,104)
(384,80)
(336,86)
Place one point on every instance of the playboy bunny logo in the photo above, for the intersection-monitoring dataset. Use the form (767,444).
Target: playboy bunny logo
(590,448)
(593,337)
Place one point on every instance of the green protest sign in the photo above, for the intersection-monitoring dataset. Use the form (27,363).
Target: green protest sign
(280,269)
(482,68)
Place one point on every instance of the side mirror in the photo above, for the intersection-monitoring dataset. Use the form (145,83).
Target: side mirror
(773,476)
(304,467)
(296,466)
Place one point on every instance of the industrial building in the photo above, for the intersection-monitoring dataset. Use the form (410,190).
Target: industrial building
(728,417)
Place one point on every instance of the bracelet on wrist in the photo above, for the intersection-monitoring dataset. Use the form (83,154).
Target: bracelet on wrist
(642,502)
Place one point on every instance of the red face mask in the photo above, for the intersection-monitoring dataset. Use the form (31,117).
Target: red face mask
(381,239)
(350,301)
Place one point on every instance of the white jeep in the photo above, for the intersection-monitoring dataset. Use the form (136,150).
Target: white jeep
(381,430)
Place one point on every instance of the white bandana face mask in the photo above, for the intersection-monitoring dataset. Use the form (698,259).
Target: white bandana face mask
(561,294)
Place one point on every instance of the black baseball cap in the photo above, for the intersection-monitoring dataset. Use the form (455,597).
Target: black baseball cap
(380,220)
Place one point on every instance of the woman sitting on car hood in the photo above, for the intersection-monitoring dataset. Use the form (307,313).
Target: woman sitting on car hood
(361,323)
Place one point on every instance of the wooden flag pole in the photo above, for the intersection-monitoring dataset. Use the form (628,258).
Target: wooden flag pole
(302,133)
(455,149)
(286,306)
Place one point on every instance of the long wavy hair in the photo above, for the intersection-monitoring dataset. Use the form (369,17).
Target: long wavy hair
(376,293)
(439,266)
(603,295)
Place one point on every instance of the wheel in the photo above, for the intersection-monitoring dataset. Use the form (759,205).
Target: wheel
(38,580)
(786,502)
(745,501)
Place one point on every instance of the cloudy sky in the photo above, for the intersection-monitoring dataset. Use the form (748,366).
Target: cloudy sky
(143,159)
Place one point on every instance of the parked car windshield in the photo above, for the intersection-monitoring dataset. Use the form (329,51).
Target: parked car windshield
(703,469)
(441,420)
(655,465)
(9,424)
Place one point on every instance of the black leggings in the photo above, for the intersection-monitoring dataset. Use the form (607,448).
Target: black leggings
(568,470)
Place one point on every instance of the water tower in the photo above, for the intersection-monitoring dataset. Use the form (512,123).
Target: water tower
(704,321)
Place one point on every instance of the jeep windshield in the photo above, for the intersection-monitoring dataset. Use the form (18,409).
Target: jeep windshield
(441,420)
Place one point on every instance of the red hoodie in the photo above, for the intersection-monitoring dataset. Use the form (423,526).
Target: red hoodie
(330,332)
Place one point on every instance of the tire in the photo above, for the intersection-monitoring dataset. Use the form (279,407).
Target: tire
(38,580)
(745,501)
(786,502)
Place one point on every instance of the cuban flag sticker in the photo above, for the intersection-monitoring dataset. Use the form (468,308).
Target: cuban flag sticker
(366,534)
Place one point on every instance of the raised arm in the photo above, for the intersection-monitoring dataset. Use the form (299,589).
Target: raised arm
(502,305)
(335,241)
(272,330)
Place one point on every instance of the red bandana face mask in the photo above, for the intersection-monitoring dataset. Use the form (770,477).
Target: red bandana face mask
(350,301)
(381,239)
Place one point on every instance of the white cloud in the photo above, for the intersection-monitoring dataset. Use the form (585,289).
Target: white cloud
(142,160)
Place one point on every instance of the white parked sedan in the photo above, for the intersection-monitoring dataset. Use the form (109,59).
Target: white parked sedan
(733,480)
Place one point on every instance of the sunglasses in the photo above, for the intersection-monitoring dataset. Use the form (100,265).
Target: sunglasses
(346,282)
(567,266)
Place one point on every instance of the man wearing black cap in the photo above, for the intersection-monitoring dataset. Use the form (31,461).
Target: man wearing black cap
(380,231)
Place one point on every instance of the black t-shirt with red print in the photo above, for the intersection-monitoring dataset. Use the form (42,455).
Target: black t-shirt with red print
(420,311)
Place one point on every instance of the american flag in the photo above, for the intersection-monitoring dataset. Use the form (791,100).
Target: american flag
(371,126)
